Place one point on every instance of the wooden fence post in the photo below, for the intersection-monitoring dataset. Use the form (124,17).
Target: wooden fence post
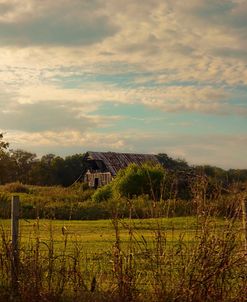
(15,244)
(244,220)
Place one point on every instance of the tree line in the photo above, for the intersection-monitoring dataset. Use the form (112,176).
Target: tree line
(27,168)
(50,169)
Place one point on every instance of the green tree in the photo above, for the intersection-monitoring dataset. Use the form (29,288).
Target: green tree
(137,180)
(6,166)
(172,164)
(23,162)
(43,172)
(55,170)
(73,167)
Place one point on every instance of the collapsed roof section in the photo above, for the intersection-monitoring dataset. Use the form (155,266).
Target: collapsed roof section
(113,162)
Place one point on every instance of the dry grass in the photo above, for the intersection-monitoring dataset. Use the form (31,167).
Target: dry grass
(211,267)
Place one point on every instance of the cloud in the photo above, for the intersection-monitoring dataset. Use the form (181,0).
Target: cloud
(8,96)
(188,98)
(224,150)
(225,14)
(42,116)
(183,41)
(218,24)
(67,139)
(90,96)
(51,116)
(5,8)
(63,23)
(63,61)
(230,52)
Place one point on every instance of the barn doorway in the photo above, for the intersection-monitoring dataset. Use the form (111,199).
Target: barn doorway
(96,183)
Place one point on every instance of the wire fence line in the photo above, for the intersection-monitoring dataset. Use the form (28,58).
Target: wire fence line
(126,256)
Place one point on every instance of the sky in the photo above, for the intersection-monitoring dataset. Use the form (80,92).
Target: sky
(146,76)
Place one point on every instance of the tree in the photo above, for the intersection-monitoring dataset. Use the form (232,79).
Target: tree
(23,162)
(3,145)
(42,172)
(5,161)
(172,164)
(137,180)
(73,167)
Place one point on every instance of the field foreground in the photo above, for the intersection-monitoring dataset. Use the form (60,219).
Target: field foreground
(174,259)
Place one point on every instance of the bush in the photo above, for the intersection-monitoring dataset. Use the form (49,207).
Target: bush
(102,194)
(138,180)
(28,211)
(86,195)
(16,187)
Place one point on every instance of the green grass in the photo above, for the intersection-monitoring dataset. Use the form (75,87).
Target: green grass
(176,259)
(193,258)
(99,235)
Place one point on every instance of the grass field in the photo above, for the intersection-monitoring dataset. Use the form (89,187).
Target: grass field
(99,235)
(69,254)
(182,259)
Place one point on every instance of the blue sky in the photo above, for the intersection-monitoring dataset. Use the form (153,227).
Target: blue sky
(151,76)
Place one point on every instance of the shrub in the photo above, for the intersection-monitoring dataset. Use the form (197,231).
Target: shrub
(16,187)
(138,180)
(103,193)
(86,194)
(28,211)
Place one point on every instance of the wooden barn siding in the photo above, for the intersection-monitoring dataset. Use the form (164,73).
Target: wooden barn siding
(104,178)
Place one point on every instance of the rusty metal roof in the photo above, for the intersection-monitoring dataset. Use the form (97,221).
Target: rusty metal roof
(116,161)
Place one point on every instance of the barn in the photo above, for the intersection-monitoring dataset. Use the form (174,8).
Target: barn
(101,167)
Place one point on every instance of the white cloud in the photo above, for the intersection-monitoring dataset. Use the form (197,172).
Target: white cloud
(153,35)
(46,23)
(63,139)
(88,98)
(173,56)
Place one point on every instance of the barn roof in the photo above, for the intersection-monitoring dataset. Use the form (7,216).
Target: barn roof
(116,161)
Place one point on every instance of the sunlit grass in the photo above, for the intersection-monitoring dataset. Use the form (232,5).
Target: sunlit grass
(160,257)
(99,235)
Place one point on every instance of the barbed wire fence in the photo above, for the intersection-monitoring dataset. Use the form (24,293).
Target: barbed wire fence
(111,264)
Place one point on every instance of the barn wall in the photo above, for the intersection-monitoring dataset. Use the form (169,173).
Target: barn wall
(97,179)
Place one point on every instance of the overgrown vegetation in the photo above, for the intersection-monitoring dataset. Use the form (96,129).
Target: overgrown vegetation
(153,186)
(148,260)
(201,259)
